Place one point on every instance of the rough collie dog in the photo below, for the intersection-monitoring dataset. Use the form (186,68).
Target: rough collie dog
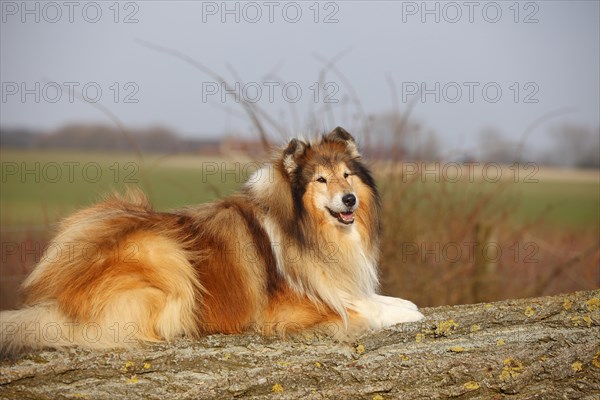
(294,251)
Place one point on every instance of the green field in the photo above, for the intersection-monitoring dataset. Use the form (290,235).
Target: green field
(39,187)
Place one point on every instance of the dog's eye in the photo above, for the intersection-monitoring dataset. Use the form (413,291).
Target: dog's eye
(346,174)
(321,179)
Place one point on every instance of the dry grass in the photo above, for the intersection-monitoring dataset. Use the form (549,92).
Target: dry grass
(443,243)
(455,243)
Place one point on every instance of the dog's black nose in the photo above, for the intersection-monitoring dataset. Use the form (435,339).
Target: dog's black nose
(349,200)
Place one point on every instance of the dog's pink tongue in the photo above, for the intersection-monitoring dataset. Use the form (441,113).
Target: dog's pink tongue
(347,216)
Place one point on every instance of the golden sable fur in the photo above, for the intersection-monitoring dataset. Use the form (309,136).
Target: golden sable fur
(295,250)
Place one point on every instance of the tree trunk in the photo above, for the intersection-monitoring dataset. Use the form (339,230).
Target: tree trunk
(538,348)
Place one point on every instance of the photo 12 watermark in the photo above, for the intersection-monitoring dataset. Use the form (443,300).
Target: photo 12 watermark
(471,172)
(466,251)
(54,92)
(454,12)
(68,252)
(68,172)
(252,12)
(69,332)
(271,92)
(470,92)
(69,12)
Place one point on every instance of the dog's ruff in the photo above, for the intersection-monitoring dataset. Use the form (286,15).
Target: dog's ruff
(294,251)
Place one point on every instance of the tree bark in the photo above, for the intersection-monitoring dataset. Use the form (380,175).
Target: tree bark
(537,348)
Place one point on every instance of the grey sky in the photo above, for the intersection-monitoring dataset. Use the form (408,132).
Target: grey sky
(554,61)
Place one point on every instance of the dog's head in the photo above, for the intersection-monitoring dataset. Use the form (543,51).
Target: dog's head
(328,179)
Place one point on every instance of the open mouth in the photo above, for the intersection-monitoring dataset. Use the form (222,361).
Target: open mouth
(345,217)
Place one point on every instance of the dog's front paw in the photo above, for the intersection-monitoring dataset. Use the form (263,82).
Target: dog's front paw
(394,311)
(395,315)
(396,302)
(383,311)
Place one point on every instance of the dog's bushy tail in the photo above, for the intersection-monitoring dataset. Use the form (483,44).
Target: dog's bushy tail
(116,274)
(43,325)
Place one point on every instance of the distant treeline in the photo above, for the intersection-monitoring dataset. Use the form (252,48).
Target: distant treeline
(389,138)
(104,138)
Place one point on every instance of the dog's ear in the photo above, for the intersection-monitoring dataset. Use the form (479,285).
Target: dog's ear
(294,150)
(339,134)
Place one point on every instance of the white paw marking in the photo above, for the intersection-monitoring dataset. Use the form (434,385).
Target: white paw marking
(384,311)
(395,314)
(395,301)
